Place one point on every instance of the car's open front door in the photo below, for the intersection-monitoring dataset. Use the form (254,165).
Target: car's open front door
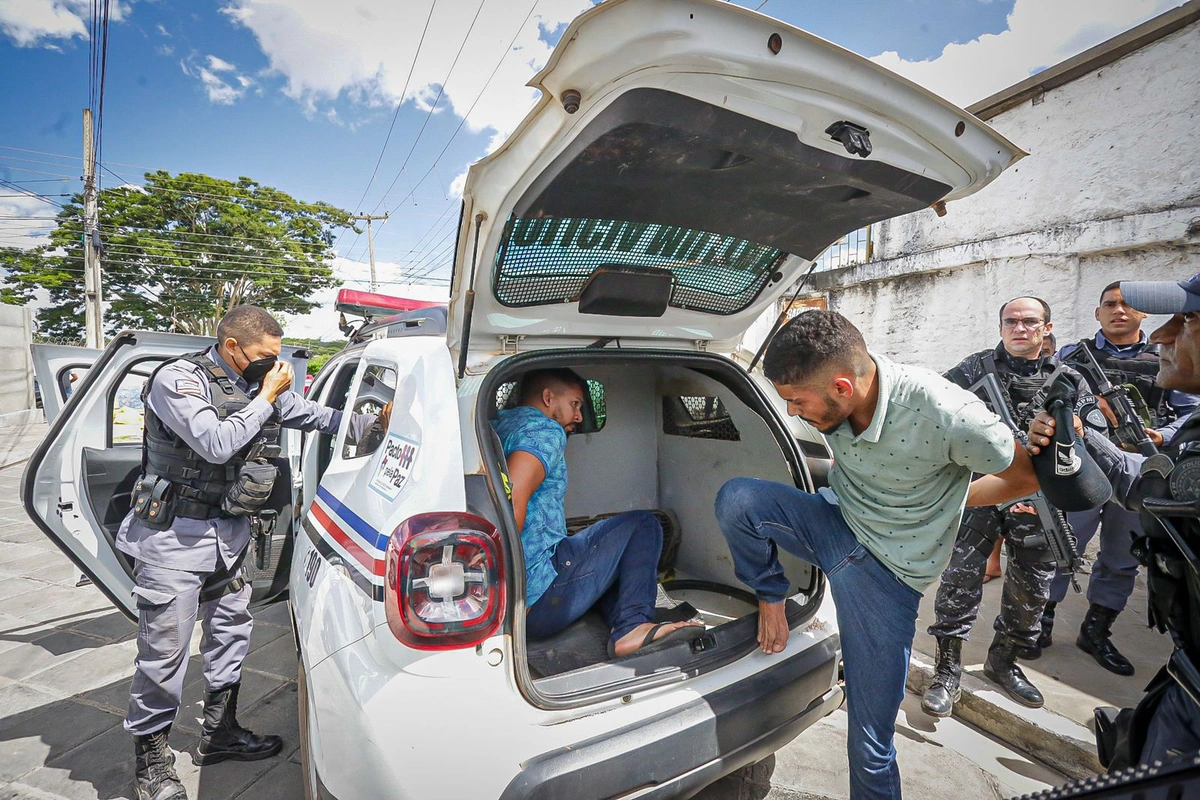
(59,370)
(77,483)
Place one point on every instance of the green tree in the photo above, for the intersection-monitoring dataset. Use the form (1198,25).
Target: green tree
(321,351)
(180,252)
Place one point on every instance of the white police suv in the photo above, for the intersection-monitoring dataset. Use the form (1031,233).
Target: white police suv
(686,162)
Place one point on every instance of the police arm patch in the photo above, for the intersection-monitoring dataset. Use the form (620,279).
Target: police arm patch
(189,386)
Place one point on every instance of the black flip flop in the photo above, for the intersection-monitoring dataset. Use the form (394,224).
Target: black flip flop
(686,632)
(680,613)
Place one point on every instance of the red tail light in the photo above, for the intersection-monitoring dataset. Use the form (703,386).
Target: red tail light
(444,587)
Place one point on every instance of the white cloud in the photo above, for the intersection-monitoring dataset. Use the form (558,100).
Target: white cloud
(220,65)
(24,221)
(1040,33)
(322,322)
(221,89)
(366,54)
(162,31)
(41,22)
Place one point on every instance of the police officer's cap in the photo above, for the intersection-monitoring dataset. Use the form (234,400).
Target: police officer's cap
(1163,297)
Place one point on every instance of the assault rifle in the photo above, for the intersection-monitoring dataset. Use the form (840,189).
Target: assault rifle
(1060,538)
(1130,430)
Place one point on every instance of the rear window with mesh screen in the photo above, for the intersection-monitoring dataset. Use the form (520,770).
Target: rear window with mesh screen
(549,259)
(699,418)
(593,418)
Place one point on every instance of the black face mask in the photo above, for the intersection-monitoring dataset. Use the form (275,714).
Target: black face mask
(256,370)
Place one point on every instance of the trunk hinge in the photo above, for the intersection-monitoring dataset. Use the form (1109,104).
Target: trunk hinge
(510,339)
(469,305)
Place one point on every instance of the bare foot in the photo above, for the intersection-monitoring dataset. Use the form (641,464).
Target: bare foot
(993,563)
(633,640)
(772,627)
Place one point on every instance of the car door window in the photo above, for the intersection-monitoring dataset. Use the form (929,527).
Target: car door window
(69,378)
(127,413)
(375,390)
(333,390)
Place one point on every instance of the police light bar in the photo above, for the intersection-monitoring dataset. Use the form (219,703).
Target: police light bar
(368,304)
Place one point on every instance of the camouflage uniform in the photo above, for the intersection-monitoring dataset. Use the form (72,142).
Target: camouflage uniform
(1030,568)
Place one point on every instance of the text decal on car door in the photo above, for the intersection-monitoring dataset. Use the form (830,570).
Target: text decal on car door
(399,455)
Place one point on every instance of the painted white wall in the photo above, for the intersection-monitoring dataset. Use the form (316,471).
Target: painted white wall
(16,363)
(1110,191)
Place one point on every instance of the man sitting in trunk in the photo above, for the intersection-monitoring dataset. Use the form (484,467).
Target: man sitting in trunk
(612,565)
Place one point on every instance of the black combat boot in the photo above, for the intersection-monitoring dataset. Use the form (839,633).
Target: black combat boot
(1045,638)
(1094,639)
(155,778)
(223,738)
(1001,667)
(944,692)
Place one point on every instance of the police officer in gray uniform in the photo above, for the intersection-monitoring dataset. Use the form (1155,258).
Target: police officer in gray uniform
(212,424)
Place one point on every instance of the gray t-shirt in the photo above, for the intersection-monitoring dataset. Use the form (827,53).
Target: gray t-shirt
(902,483)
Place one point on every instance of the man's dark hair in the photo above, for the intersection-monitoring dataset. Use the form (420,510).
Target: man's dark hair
(532,383)
(813,342)
(1053,341)
(1107,289)
(1045,305)
(247,324)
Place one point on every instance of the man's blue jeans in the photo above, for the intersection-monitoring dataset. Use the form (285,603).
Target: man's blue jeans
(612,565)
(876,611)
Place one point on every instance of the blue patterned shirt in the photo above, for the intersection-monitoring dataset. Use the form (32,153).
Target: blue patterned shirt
(526,429)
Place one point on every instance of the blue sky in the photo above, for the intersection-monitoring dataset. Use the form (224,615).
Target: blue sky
(300,94)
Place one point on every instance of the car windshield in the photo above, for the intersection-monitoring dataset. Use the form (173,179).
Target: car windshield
(549,259)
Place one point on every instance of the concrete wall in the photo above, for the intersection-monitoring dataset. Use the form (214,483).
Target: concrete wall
(16,365)
(1110,190)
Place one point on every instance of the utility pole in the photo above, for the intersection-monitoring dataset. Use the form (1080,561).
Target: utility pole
(92,308)
(370,242)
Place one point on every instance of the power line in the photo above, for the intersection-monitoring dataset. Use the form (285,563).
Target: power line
(399,104)
(34,195)
(476,102)
(429,115)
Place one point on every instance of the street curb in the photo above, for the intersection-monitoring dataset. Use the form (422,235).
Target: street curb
(1039,733)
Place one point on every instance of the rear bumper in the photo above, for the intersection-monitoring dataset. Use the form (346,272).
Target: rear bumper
(680,752)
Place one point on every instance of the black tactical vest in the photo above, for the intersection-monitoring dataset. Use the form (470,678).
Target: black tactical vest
(1138,371)
(1173,583)
(1018,389)
(197,486)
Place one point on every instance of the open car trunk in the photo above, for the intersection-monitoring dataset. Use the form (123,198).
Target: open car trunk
(668,430)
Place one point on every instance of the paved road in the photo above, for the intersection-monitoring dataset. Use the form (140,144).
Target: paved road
(66,660)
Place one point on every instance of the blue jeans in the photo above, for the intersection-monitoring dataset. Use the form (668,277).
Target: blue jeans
(612,565)
(876,611)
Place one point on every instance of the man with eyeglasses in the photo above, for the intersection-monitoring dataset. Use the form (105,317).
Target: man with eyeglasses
(1126,356)
(1020,368)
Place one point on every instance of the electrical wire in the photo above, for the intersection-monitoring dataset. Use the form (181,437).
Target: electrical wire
(399,104)
(472,108)
(432,107)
